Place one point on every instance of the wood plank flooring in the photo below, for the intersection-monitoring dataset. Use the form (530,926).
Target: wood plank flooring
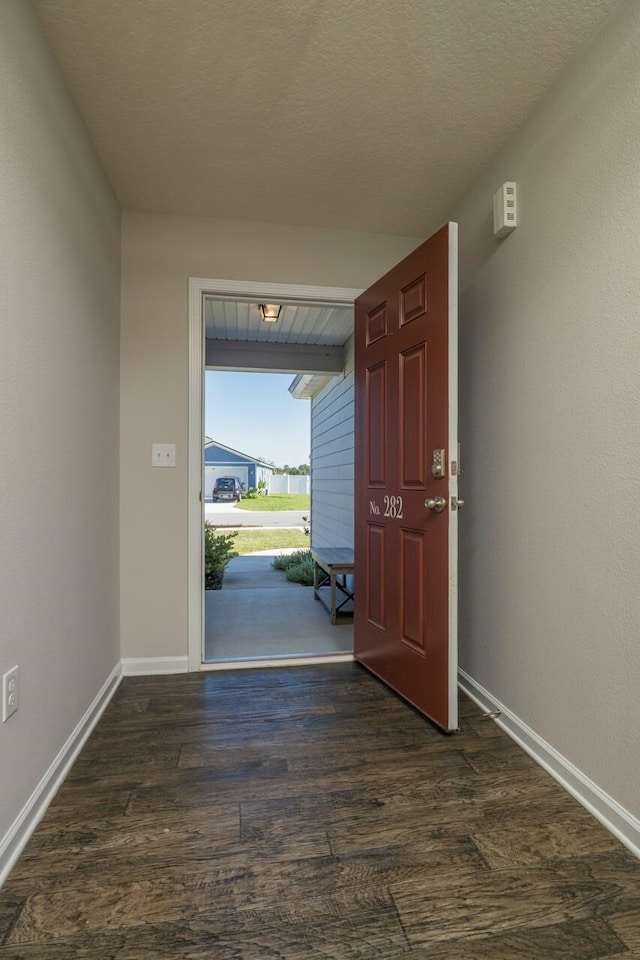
(310,813)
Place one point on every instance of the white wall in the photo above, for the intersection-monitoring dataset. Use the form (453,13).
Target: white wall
(59,306)
(550,414)
(332,465)
(159,254)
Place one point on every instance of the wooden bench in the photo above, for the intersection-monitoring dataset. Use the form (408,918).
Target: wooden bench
(331,567)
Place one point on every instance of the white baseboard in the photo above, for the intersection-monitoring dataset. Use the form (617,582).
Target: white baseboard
(278,662)
(608,811)
(14,841)
(151,666)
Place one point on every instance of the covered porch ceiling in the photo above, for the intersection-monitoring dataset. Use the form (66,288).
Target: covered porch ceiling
(308,337)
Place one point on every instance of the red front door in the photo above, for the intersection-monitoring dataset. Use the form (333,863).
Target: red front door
(405,624)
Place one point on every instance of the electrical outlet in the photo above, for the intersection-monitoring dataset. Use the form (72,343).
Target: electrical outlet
(9,693)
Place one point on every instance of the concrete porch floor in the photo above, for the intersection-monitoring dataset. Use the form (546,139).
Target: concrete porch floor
(258,614)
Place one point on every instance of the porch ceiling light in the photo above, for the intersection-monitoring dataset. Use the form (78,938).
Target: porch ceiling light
(270,312)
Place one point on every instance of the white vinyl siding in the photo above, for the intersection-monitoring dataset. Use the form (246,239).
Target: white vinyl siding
(332,412)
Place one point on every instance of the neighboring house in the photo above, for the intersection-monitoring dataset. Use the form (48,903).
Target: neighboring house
(222,461)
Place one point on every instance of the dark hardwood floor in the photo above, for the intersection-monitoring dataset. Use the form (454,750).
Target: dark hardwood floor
(309,813)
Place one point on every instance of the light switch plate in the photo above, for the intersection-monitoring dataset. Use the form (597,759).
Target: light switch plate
(163,454)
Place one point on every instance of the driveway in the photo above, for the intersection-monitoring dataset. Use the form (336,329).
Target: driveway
(228,515)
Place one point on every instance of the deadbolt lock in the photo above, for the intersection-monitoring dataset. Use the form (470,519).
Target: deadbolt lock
(438,463)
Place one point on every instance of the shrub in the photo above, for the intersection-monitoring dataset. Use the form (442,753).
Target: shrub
(218,550)
(301,573)
(251,493)
(298,566)
(286,560)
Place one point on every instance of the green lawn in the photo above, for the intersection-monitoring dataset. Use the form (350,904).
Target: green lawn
(267,538)
(277,501)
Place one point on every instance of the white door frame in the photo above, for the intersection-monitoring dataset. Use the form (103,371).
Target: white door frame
(278,292)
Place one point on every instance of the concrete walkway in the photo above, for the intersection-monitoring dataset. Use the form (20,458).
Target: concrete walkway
(254,571)
(259,613)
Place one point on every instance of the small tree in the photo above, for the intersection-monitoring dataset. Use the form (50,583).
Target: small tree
(218,550)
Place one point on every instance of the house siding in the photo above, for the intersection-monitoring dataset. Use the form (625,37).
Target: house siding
(214,455)
(332,451)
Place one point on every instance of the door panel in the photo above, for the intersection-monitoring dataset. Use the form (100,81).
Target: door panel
(375,563)
(406,408)
(376,418)
(413,412)
(413,300)
(377,324)
(413,560)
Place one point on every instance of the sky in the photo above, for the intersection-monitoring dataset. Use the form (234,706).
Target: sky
(255,414)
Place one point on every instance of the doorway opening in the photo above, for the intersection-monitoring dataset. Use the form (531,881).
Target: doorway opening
(257,506)
(258,616)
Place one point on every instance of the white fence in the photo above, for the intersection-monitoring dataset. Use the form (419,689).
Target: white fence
(283,483)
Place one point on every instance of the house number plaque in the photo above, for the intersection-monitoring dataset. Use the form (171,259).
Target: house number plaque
(392,508)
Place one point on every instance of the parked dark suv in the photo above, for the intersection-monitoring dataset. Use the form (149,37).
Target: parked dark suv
(227,488)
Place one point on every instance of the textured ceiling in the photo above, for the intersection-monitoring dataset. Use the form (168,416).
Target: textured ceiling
(298,323)
(370,115)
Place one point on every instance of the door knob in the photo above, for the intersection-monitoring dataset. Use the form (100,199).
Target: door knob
(435,503)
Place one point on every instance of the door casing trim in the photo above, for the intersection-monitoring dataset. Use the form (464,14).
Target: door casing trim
(452,378)
(227,288)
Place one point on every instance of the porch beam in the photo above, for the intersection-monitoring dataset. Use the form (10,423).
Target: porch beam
(255,356)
